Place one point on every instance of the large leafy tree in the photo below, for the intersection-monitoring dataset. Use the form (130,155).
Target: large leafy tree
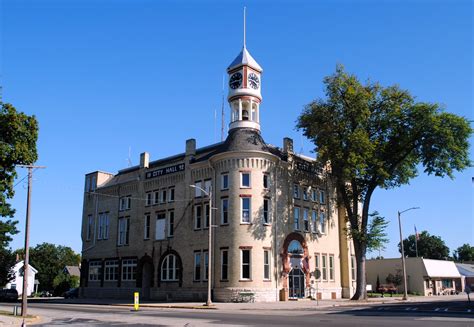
(50,260)
(464,253)
(376,137)
(429,246)
(18,136)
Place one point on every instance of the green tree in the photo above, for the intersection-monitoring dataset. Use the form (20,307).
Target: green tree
(464,253)
(18,136)
(429,246)
(50,260)
(376,137)
(63,282)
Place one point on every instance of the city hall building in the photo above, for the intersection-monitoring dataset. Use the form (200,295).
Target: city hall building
(273,216)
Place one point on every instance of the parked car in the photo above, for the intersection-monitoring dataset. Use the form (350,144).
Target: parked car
(8,294)
(46,294)
(72,293)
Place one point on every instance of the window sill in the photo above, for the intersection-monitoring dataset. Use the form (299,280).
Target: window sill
(244,223)
(169,281)
(224,280)
(224,224)
(245,280)
(267,280)
(267,224)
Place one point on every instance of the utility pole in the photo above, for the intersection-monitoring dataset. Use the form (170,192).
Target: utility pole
(24,303)
(405,287)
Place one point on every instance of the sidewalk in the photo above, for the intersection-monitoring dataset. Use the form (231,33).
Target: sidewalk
(283,306)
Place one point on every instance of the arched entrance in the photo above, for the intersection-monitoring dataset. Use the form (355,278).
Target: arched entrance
(145,276)
(295,266)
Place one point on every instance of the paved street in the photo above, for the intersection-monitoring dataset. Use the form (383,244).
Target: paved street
(452,311)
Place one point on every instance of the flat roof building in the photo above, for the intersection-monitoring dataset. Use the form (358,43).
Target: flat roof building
(274,218)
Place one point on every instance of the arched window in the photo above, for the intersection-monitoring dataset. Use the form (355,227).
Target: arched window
(295,247)
(169,268)
(245,114)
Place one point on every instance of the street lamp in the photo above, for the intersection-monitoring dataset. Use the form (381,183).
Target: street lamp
(405,291)
(209,270)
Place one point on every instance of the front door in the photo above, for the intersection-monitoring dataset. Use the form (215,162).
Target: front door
(296,283)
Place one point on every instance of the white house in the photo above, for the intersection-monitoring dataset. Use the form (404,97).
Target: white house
(17,282)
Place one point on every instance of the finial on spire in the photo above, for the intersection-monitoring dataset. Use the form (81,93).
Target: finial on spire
(245,8)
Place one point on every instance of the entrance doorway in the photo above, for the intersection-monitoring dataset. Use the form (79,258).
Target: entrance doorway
(147,276)
(296,280)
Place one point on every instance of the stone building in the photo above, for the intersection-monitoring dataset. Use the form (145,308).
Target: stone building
(274,218)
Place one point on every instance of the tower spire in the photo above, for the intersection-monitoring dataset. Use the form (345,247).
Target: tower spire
(245,9)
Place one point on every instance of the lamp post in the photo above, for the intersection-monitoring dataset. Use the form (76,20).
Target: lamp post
(209,270)
(405,291)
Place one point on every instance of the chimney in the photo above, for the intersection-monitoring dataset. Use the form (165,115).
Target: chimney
(190,147)
(287,145)
(144,160)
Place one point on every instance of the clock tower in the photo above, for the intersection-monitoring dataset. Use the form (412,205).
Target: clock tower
(244,91)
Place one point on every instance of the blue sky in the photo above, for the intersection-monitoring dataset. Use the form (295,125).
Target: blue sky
(103,77)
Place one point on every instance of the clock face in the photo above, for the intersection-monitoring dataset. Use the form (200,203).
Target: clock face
(254,81)
(235,80)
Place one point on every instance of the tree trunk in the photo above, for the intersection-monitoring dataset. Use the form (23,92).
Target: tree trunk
(361,282)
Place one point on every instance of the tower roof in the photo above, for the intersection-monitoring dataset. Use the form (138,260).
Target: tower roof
(244,59)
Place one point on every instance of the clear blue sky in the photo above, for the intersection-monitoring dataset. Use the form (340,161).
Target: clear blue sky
(106,76)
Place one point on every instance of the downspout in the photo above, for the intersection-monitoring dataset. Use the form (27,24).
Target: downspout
(275,236)
(214,252)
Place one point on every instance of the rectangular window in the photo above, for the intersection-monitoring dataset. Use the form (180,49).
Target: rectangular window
(331,267)
(224,211)
(156,198)
(111,270)
(305,193)
(125,203)
(106,223)
(322,197)
(296,218)
(246,210)
(197,216)
(207,185)
(146,228)
(266,264)
(162,196)
(90,227)
(314,221)
(245,179)
(224,264)
(197,189)
(245,264)
(306,219)
(197,266)
(170,223)
(353,267)
(324,270)
(206,265)
(317,265)
(160,226)
(123,231)
(171,195)
(266,211)
(314,195)
(296,191)
(149,197)
(322,222)
(129,269)
(224,181)
(266,181)
(207,213)
(95,268)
